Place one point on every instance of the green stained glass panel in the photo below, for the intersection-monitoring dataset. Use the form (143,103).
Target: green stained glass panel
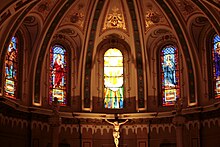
(113,79)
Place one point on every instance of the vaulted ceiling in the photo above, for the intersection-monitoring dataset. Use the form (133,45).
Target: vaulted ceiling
(81,24)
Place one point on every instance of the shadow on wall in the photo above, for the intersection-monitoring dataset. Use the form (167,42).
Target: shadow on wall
(60,145)
(168,145)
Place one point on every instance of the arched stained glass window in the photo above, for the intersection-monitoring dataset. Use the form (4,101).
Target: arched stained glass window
(216,64)
(113,79)
(170,75)
(58,74)
(11,68)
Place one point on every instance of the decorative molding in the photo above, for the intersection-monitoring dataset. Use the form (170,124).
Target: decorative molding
(86,99)
(199,25)
(77,18)
(13,9)
(208,112)
(13,122)
(163,127)
(31,23)
(191,81)
(78,15)
(38,125)
(37,100)
(208,14)
(114,17)
(69,127)
(101,127)
(141,100)
(211,122)
(186,7)
(114,20)
(204,123)
(152,17)
(45,7)
(9,35)
(134,128)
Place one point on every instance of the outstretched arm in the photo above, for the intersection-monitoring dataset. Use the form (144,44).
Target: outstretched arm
(123,122)
(109,122)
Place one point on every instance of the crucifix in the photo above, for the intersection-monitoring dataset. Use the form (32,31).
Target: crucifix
(116,131)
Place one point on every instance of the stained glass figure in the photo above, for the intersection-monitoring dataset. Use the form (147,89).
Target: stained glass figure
(58,74)
(170,75)
(11,65)
(113,79)
(216,64)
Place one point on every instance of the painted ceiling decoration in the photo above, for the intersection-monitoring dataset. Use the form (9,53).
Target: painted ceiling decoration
(37,100)
(45,7)
(78,69)
(10,34)
(144,25)
(87,76)
(186,7)
(114,16)
(152,17)
(77,15)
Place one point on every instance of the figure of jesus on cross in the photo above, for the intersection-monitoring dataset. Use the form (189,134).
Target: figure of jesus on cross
(116,131)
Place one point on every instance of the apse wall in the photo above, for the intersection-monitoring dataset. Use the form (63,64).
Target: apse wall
(115,59)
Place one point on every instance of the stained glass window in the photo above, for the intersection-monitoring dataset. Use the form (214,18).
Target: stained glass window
(58,74)
(170,75)
(11,68)
(113,79)
(216,64)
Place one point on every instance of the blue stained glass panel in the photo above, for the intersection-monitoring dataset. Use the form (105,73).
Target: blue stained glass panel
(170,75)
(216,64)
(11,68)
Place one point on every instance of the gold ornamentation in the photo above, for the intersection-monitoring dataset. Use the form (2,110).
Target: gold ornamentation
(116,131)
(115,20)
(77,18)
(151,18)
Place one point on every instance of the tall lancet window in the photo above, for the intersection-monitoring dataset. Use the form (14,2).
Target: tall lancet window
(113,79)
(11,68)
(216,65)
(58,74)
(170,75)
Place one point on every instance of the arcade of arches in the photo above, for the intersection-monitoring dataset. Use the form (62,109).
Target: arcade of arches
(109,73)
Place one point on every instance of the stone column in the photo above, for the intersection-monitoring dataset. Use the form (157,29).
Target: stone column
(179,122)
(55,121)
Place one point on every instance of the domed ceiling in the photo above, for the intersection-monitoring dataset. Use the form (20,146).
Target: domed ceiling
(78,16)
(82,25)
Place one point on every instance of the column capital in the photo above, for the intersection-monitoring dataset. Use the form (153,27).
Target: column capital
(55,120)
(179,120)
